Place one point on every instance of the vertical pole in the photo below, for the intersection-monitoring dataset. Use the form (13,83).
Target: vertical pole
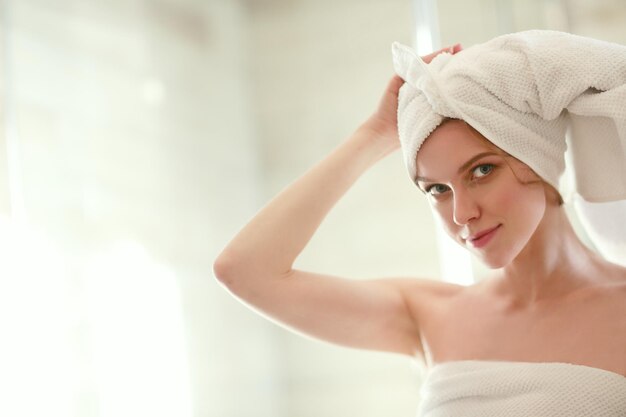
(426,29)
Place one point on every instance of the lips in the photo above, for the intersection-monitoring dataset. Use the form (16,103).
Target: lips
(482,238)
(482,233)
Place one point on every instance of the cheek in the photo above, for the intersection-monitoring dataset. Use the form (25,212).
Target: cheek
(507,198)
(524,205)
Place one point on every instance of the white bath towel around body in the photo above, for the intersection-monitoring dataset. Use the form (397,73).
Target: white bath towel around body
(477,388)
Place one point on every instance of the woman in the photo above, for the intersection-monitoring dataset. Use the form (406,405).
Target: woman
(510,345)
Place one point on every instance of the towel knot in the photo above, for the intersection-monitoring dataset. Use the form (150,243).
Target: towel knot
(423,77)
(431,89)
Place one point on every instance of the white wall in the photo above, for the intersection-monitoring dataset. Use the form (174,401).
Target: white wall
(130,116)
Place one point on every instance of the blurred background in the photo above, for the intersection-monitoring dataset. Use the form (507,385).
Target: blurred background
(139,136)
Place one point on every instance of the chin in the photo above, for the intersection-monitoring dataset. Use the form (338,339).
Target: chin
(495,262)
(500,255)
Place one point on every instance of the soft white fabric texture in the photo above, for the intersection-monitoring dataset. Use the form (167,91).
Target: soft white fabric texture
(521,389)
(523,91)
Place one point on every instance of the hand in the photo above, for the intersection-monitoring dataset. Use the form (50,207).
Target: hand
(383,124)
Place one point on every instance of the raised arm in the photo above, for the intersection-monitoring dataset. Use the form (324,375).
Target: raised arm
(256,265)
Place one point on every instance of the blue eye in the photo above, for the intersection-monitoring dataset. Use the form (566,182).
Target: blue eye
(482,170)
(436,189)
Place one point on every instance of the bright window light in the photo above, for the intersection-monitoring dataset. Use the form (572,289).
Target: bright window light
(38,361)
(139,354)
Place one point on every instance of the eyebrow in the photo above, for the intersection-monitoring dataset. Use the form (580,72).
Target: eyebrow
(462,168)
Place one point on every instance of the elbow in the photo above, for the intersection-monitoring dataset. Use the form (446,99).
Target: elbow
(223,270)
(230,271)
(240,275)
(229,274)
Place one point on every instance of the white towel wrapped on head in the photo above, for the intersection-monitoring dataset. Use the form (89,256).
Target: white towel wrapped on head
(522,91)
(526,92)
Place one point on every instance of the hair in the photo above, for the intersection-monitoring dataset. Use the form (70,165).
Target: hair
(521,171)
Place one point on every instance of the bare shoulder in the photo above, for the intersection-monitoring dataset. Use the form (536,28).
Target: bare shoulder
(613,281)
(436,287)
(423,296)
(619,275)
(426,297)
(615,287)
(420,290)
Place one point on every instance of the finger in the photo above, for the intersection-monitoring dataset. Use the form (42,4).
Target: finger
(429,57)
(450,49)
(394,84)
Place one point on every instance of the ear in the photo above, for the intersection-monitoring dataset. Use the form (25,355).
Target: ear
(553,197)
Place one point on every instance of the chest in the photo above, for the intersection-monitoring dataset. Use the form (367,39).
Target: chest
(588,331)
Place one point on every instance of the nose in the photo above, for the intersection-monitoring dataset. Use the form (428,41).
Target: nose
(465,207)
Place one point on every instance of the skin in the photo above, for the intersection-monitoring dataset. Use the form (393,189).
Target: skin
(545,276)
(484,195)
(535,246)
(551,299)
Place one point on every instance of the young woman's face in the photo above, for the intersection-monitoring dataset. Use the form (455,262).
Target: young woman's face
(470,186)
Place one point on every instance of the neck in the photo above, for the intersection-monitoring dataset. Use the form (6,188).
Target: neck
(553,264)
